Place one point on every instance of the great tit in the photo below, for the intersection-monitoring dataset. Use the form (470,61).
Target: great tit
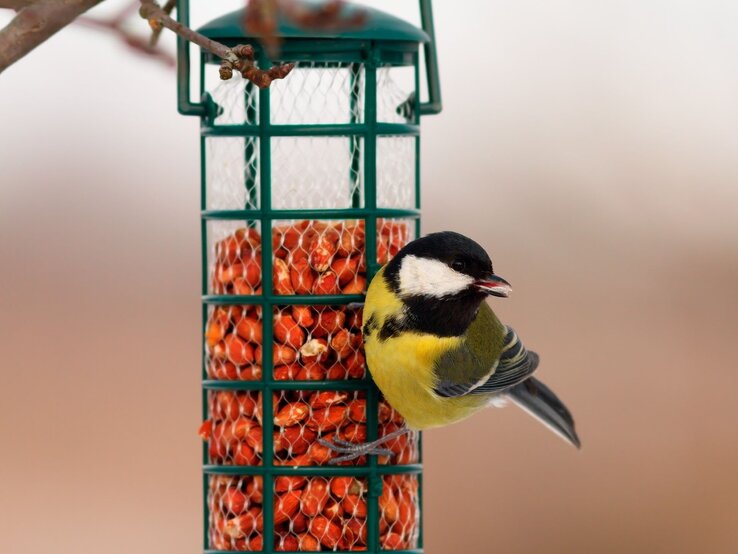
(435,348)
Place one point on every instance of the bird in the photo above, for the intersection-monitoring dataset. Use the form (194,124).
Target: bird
(437,351)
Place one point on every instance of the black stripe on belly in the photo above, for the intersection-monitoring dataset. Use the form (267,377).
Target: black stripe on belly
(370,326)
(392,327)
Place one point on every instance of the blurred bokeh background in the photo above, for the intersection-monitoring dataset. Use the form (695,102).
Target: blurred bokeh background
(592,147)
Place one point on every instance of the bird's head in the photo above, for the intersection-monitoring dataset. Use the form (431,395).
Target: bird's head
(444,266)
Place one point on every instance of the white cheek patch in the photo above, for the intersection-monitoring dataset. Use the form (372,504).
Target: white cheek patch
(428,277)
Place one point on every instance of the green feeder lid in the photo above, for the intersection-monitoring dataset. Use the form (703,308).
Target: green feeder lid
(378,25)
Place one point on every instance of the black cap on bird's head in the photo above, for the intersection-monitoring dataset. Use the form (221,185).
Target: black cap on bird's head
(444,265)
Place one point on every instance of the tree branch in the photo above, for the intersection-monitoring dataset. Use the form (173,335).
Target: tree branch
(240,57)
(37,20)
(34,23)
(14,4)
(156,17)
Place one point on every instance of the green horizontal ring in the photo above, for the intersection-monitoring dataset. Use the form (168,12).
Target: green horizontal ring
(327,130)
(348,213)
(314,471)
(345,385)
(287,299)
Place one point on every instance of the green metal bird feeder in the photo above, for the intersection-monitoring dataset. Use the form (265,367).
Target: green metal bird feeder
(324,165)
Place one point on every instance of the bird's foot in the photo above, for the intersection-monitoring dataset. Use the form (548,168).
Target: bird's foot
(351,451)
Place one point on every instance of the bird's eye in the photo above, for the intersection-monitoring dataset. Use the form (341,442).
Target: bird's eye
(458,265)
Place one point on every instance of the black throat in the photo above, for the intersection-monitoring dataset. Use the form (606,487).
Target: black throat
(444,317)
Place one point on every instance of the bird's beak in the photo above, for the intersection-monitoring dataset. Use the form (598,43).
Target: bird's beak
(494,286)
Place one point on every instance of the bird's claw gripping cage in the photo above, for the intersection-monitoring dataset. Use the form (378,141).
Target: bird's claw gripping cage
(295,179)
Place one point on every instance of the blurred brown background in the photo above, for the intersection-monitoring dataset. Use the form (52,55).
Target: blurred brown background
(592,147)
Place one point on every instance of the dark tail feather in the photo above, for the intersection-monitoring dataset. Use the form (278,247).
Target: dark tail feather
(539,401)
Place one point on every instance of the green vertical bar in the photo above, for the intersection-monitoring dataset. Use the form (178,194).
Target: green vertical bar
(184,105)
(265,157)
(202,78)
(434,104)
(370,202)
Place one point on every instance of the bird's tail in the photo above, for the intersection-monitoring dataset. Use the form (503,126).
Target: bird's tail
(539,401)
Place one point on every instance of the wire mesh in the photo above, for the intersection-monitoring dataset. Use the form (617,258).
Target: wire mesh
(233,337)
(234,428)
(392,235)
(235,516)
(395,87)
(311,513)
(234,257)
(232,178)
(270,483)
(325,342)
(317,172)
(319,257)
(399,506)
(316,94)
(302,417)
(396,172)
(403,449)
(236,98)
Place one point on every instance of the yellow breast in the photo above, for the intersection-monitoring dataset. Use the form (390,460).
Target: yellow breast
(402,366)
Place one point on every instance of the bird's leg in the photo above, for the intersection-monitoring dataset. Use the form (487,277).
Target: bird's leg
(352,451)
(355,305)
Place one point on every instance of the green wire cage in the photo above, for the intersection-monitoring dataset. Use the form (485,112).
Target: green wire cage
(308,188)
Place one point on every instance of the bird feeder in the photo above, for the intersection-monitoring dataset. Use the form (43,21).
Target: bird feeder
(309,186)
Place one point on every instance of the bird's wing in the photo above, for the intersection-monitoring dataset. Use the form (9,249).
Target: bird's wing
(516,365)
(491,359)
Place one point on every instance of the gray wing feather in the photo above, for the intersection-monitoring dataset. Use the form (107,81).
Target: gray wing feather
(542,403)
(447,389)
(515,365)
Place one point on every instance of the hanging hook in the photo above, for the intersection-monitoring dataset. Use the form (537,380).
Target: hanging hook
(434,105)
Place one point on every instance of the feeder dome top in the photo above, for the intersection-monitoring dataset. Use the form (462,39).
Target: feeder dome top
(377,25)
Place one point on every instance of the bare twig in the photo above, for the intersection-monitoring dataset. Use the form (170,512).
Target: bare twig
(240,58)
(248,70)
(36,22)
(167,9)
(156,17)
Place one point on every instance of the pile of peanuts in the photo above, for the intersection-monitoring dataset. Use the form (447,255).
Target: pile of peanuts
(235,428)
(310,257)
(311,342)
(311,514)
